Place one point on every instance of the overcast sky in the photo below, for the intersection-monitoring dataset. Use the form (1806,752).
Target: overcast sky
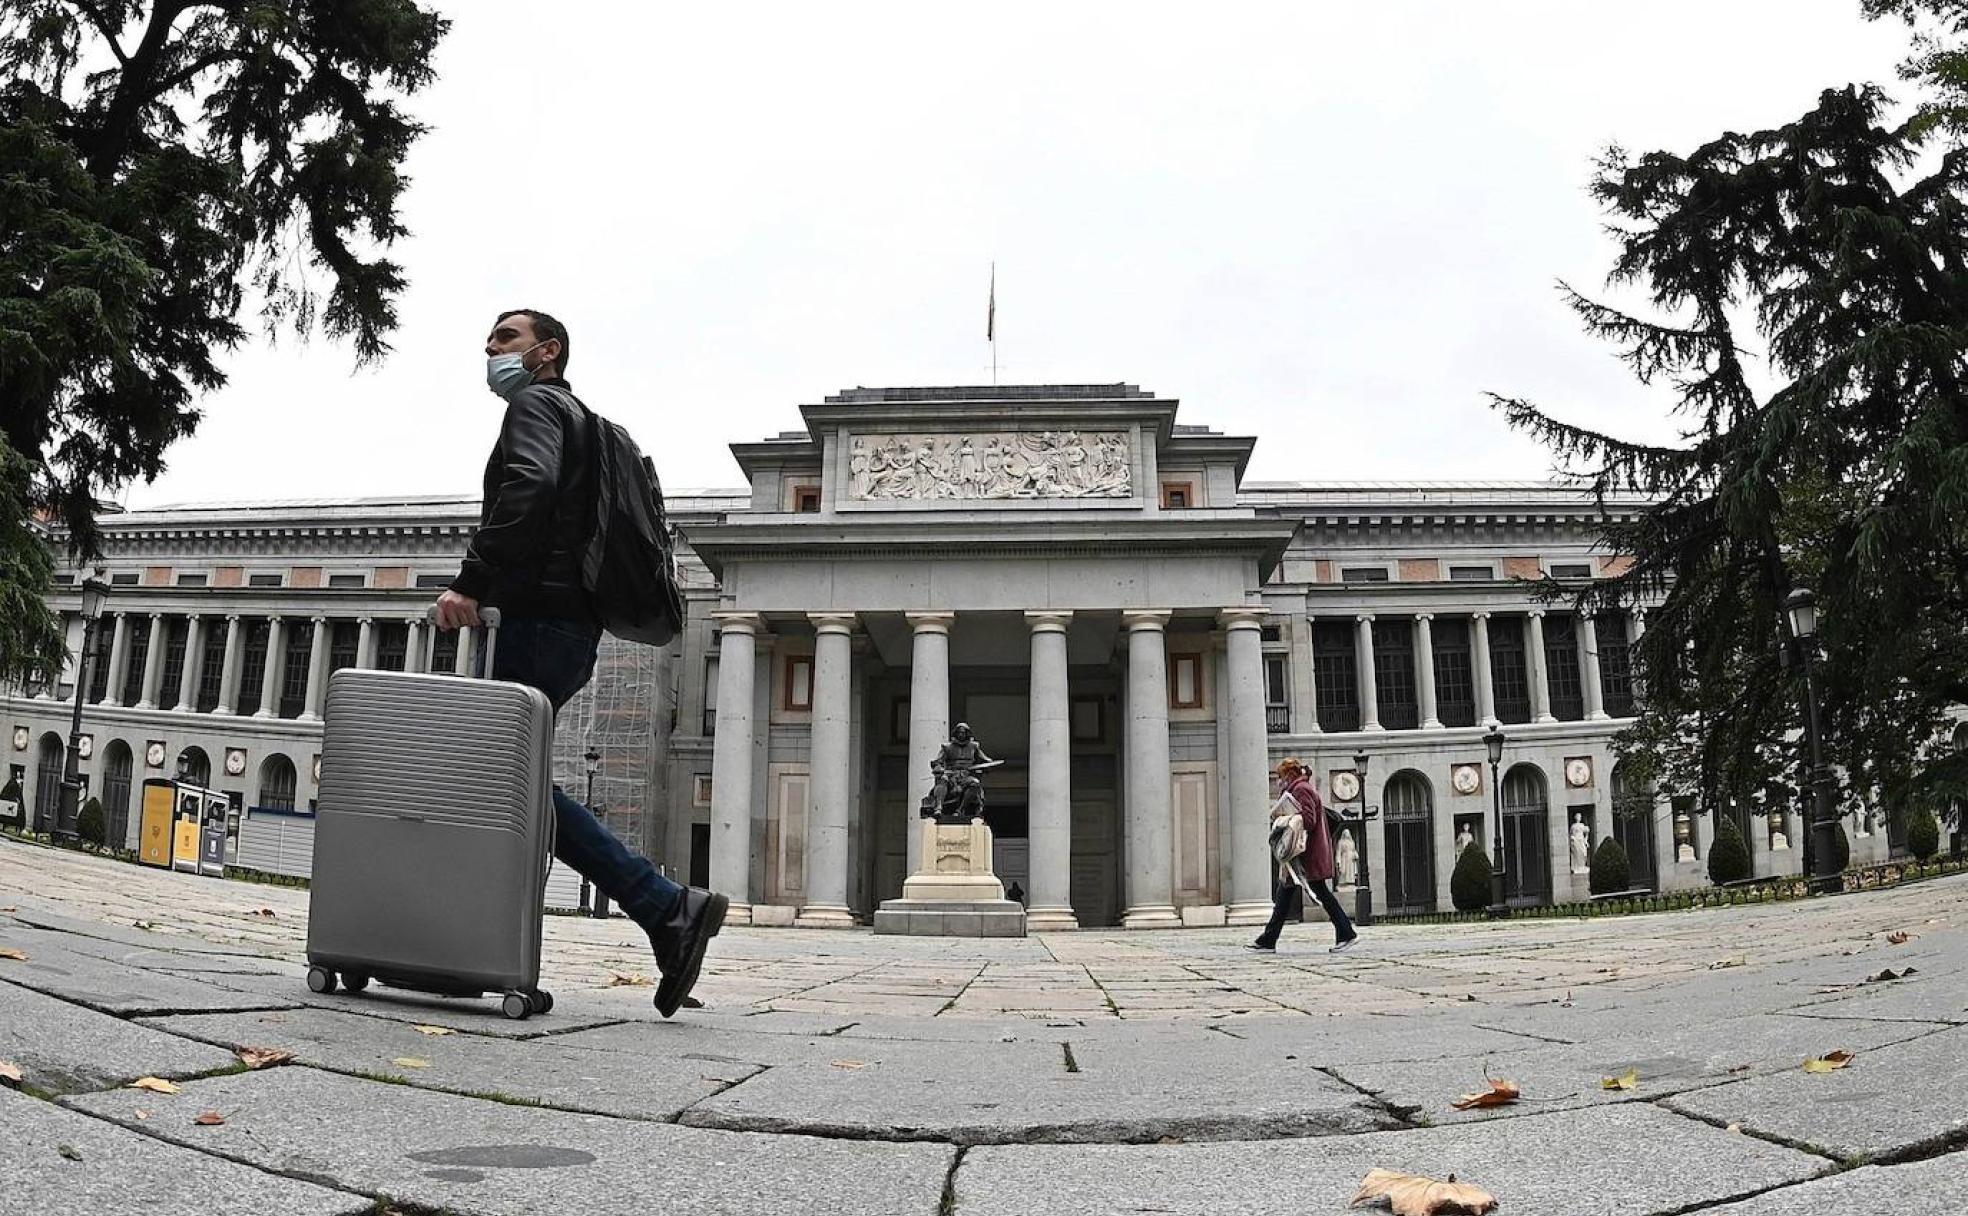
(1329,226)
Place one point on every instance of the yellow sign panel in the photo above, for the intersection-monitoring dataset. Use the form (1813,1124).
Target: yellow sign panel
(187,844)
(154,825)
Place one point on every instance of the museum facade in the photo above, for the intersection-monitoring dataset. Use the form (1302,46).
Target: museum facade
(1137,632)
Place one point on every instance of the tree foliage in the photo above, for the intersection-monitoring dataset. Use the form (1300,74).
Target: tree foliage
(158,161)
(1610,871)
(1807,308)
(1728,853)
(89,822)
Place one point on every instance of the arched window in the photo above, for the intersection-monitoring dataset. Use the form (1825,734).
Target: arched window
(1408,830)
(1526,836)
(276,783)
(117,764)
(1633,825)
(195,766)
(49,769)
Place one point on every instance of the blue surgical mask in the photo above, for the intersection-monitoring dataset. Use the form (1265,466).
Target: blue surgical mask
(507,374)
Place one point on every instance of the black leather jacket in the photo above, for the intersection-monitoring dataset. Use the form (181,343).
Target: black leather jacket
(538,510)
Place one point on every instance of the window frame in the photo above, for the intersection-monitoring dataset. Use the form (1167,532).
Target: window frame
(1193,661)
(1381,572)
(790,700)
(1186,488)
(805,492)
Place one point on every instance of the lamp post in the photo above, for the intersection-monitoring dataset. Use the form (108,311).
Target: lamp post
(592,759)
(1362,887)
(1801,610)
(94,592)
(1493,741)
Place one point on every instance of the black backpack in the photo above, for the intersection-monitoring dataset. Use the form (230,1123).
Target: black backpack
(629,566)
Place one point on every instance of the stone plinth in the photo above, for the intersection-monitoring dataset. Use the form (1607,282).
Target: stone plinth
(953,892)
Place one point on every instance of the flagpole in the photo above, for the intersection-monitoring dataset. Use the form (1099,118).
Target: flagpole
(991,323)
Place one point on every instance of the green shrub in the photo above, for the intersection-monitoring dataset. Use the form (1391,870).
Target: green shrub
(1469,883)
(1841,849)
(1923,834)
(1728,855)
(1609,867)
(89,822)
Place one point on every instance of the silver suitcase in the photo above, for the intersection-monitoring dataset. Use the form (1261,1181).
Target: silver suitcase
(433,835)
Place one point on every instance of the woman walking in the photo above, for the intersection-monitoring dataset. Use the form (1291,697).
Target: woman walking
(1301,840)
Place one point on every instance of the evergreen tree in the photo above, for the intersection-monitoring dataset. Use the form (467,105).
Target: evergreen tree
(1610,871)
(89,822)
(1923,836)
(1808,290)
(1728,854)
(1469,882)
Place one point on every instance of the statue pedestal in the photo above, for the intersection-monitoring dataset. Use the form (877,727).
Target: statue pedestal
(953,892)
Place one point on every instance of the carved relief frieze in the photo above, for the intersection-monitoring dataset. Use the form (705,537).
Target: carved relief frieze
(994,465)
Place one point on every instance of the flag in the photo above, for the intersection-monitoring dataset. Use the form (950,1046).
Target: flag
(991,312)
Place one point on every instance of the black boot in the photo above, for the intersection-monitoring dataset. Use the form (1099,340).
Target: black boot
(681,941)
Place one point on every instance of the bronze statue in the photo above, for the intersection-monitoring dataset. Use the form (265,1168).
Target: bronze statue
(958,795)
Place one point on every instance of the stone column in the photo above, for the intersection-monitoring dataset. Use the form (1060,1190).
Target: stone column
(1305,678)
(276,660)
(929,701)
(317,675)
(1150,835)
(193,664)
(1425,669)
(1363,664)
(831,769)
(461,659)
(731,762)
(1247,894)
(365,643)
(1595,695)
(1479,658)
(413,645)
(1050,801)
(229,671)
(153,680)
(1540,685)
(119,660)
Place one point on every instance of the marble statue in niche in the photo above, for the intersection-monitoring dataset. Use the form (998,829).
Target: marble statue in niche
(1581,845)
(1007,464)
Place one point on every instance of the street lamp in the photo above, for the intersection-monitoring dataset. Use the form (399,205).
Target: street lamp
(600,901)
(94,592)
(1362,888)
(1801,609)
(1493,741)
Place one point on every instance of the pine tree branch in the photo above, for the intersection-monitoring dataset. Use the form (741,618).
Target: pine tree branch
(110,36)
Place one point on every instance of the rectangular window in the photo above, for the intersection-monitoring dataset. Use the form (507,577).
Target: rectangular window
(1561,665)
(1178,495)
(1334,675)
(191,580)
(1571,570)
(177,631)
(393,646)
(700,789)
(1509,674)
(434,582)
(1363,574)
(1277,694)
(710,696)
(123,580)
(252,665)
(1394,674)
(806,500)
(799,682)
(1185,681)
(211,670)
(294,673)
(99,647)
(265,580)
(348,580)
(1615,665)
(1455,684)
(344,642)
(133,676)
(1271,633)
(1470,574)
(64,580)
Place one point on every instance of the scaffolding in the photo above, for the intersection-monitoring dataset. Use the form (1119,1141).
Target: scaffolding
(623,715)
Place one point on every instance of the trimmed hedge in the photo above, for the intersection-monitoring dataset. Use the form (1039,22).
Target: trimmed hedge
(1610,870)
(1923,834)
(1728,854)
(1469,883)
(89,822)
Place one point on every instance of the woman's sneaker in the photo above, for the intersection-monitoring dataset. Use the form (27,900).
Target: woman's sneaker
(1348,944)
(1261,947)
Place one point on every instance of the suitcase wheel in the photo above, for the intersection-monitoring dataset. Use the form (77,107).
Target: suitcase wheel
(543,1001)
(517,1006)
(320,979)
(355,981)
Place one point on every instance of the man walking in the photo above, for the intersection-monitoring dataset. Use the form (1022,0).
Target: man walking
(525,559)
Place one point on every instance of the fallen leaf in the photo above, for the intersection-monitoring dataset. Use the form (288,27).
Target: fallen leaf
(1720,963)
(410,1062)
(1830,1061)
(69,1151)
(1899,937)
(1739,1068)
(156,1085)
(1734,1127)
(263,1057)
(1626,1080)
(10,952)
(433,1030)
(210,1118)
(142,1115)
(10,1072)
(625,979)
(850,1064)
(265,912)
(149,926)
(9,908)
(1500,1093)
(1415,1195)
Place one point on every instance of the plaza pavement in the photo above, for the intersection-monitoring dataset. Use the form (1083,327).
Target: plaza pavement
(1092,1072)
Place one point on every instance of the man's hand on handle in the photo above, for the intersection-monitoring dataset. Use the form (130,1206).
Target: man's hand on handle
(456,611)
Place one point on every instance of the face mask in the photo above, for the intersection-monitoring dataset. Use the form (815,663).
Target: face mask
(507,374)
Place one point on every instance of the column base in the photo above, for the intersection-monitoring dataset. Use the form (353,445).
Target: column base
(1151,916)
(1541,719)
(951,918)
(144,705)
(1374,728)
(309,717)
(261,714)
(738,914)
(1432,724)
(1248,912)
(1051,919)
(824,916)
(1598,715)
(221,712)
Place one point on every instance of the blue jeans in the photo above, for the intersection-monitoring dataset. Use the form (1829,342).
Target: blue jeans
(558,658)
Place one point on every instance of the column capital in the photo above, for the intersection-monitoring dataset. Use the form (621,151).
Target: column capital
(931,622)
(832,622)
(158,616)
(1140,619)
(1424,616)
(1242,617)
(232,618)
(194,616)
(319,618)
(365,620)
(1364,618)
(739,622)
(1535,612)
(1480,616)
(1048,622)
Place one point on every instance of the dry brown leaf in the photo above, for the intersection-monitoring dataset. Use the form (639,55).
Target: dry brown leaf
(156,1085)
(263,912)
(1720,963)
(148,926)
(1500,1093)
(9,908)
(1739,1068)
(10,952)
(1626,1080)
(1899,937)
(626,979)
(410,1062)
(1415,1195)
(850,1064)
(433,1030)
(10,1072)
(210,1118)
(1829,1062)
(263,1057)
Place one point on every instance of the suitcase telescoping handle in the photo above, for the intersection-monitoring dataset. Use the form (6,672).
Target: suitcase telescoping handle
(487,617)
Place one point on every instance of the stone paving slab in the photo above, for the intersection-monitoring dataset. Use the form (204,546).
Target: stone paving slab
(1889,1101)
(1375,1039)
(169,953)
(1591,1163)
(655,1083)
(128,934)
(1937,1185)
(115,1172)
(1923,997)
(480,1015)
(113,987)
(62,1048)
(469,1156)
(1669,1058)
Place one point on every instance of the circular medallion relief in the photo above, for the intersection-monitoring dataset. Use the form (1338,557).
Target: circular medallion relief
(235,762)
(20,738)
(154,755)
(1467,778)
(1345,786)
(1578,772)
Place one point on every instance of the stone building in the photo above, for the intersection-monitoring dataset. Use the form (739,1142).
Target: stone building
(1134,629)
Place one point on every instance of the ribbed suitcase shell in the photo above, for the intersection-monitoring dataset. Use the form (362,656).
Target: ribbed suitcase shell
(434,831)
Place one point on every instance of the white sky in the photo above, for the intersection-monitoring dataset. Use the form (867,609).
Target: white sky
(1328,227)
